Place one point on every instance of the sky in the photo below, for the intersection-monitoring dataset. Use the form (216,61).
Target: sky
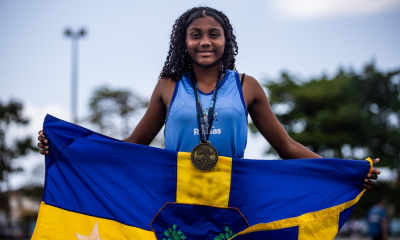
(127,43)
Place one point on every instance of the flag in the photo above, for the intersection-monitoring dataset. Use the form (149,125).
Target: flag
(97,187)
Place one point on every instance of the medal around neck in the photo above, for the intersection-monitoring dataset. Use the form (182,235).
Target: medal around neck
(204,156)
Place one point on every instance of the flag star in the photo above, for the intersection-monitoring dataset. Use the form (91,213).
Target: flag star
(94,235)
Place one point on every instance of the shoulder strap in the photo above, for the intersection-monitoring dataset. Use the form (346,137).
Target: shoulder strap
(242,78)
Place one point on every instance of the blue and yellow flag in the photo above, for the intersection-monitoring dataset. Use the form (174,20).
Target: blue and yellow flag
(97,187)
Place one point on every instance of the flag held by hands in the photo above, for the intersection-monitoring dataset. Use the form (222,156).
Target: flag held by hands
(98,187)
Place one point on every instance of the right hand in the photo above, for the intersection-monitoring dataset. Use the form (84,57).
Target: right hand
(43,143)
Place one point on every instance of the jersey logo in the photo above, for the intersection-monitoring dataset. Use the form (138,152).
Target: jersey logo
(213,131)
(205,118)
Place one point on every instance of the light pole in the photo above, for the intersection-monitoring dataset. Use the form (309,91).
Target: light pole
(75,36)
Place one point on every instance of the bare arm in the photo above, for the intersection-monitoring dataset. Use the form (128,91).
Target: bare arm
(149,125)
(268,125)
(154,118)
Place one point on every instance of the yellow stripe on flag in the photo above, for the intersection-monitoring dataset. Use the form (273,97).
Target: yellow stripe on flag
(207,188)
(325,228)
(321,224)
(56,223)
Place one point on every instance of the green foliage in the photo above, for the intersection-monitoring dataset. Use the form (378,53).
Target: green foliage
(11,115)
(225,235)
(173,234)
(112,110)
(350,115)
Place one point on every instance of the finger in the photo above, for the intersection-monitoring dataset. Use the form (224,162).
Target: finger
(367,187)
(372,176)
(43,152)
(376,171)
(370,183)
(43,146)
(41,133)
(42,139)
(376,160)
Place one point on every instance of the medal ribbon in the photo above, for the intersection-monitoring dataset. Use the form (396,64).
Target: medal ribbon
(205,126)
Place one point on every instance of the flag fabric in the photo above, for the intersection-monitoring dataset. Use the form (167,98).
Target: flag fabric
(97,187)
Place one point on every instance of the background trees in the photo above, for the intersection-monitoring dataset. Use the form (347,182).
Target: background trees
(10,149)
(350,115)
(113,111)
(116,112)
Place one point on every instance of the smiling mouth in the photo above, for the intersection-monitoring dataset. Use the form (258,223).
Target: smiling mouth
(205,53)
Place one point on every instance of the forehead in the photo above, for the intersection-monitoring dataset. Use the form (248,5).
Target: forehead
(205,23)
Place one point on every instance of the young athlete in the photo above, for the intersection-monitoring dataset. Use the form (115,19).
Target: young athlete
(199,77)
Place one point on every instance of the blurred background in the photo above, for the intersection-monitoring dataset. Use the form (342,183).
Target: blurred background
(331,70)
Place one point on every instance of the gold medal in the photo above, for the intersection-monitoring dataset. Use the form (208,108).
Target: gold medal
(204,156)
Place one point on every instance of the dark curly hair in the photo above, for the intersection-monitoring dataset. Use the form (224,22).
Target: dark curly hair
(178,61)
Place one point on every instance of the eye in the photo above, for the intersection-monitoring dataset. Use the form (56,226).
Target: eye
(214,35)
(195,35)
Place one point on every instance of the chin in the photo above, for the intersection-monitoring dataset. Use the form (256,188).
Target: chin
(208,63)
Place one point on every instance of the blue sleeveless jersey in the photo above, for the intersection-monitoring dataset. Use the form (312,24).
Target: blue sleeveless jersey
(229,129)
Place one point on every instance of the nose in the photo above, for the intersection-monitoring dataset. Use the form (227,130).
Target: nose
(205,41)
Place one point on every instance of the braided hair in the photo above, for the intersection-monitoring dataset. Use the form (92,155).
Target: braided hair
(178,61)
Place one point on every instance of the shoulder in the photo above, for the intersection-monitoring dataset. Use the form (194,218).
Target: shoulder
(252,91)
(166,82)
(251,87)
(164,85)
(164,90)
(250,81)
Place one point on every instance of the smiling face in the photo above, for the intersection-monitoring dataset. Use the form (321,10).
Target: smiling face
(205,41)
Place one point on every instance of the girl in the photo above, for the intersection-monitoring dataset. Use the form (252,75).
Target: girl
(199,76)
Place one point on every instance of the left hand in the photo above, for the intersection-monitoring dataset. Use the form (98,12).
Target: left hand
(368,183)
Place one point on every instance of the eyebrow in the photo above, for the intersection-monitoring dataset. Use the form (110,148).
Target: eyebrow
(198,29)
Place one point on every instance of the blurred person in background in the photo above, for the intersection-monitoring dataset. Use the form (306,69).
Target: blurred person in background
(378,227)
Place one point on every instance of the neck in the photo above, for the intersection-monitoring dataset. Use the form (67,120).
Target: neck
(207,76)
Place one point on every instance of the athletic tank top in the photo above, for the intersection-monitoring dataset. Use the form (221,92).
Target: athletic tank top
(229,129)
